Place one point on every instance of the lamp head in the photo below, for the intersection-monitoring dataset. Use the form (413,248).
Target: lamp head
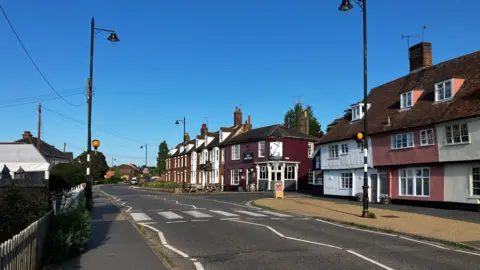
(345,6)
(177,122)
(113,37)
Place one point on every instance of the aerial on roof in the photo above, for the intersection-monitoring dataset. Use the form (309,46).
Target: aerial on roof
(274,131)
(385,113)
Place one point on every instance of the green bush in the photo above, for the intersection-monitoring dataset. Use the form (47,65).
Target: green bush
(71,230)
(164,185)
(66,175)
(19,208)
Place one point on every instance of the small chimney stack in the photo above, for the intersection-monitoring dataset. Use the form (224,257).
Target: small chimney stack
(303,123)
(248,124)
(237,117)
(26,134)
(204,130)
(420,55)
(187,137)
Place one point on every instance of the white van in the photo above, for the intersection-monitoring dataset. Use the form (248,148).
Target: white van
(134,181)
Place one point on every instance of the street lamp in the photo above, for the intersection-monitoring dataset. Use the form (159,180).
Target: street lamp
(184,121)
(146,152)
(113,159)
(112,38)
(346,6)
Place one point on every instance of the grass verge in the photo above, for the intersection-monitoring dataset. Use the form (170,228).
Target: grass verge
(387,230)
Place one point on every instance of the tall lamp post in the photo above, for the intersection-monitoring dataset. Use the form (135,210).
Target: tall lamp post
(146,152)
(112,38)
(346,6)
(184,173)
(113,159)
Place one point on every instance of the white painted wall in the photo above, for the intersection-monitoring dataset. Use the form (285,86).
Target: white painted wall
(458,180)
(193,167)
(352,160)
(332,182)
(468,151)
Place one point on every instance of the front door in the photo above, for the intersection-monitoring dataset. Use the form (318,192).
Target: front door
(384,183)
(374,188)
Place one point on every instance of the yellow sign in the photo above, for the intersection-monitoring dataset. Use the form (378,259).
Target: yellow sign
(278,189)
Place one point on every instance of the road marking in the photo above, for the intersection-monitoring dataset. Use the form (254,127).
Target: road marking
(352,228)
(140,216)
(128,210)
(312,242)
(423,242)
(253,214)
(198,265)
(177,251)
(169,215)
(471,253)
(193,206)
(228,218)
(256,218)
(123,203)
(224,213)
(178,221)
(278,218)
(244,206)
(199,220)
(261,225)
(249,204)
(305,218)
(368,259)
(274,214)
(197,214)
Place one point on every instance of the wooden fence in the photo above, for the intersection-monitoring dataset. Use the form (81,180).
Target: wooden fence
(25,250)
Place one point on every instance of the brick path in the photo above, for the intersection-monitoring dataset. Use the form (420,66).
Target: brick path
(411,223)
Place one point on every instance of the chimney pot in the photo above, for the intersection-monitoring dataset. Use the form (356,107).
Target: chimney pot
(237,117)
(204,130)
(420,55)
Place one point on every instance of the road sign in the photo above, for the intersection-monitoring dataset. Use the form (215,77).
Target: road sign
(278,189)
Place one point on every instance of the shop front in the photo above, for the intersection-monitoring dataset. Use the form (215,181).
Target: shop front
(270,171)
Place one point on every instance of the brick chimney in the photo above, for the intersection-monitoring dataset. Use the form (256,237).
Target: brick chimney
(248,125)
(187,137)
(237,117)
(27,134)
(203,130)
(420,55)
(303,123)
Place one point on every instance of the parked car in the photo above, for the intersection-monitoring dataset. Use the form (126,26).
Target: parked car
(134,181)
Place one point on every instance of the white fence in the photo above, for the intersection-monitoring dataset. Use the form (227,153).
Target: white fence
(25,250)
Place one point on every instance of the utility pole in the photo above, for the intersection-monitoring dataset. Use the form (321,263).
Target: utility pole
(39,125)
(146,155)
(64,146)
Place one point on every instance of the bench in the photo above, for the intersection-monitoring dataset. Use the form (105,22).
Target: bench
(193,187)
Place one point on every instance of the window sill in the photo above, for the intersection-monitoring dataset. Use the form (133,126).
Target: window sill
(346,154)
(453,144)
(345,188)
(403,148)
(333,158)
(442,101)
(415,196)
(405,109)
(425,145)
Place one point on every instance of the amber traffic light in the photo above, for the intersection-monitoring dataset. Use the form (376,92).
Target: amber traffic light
(96,144)
(358,136)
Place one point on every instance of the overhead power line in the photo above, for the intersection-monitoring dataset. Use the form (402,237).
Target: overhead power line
(39,98)
(107,154)
(33,62)
(84,124)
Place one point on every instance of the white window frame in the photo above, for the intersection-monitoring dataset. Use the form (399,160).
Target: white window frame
(222,160)
(344,149)
(261,149)
(360,146)
(357,112)
(414,178)
(311,149)
(289,172)
(263,175)
(440,88)
(216,154)
(346,180)
(449,134)
(410,140)
(425,140)
(235,179)
(406,100)
(475,177)
(333,151)
(236,152)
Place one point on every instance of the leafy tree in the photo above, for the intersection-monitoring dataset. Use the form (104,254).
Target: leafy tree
(66,175)
(292,116)
(162,157)
(99,164)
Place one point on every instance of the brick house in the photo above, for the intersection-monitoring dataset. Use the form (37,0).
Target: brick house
(424,146)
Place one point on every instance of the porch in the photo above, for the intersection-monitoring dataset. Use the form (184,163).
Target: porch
(269,171)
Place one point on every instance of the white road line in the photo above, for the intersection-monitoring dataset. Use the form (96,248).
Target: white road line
(199,220)
(169,215)
(274,214)
(177,251)
(224,213)
(197,214)
(193,259)
(198,266)
(123,203)
(249,204)
(193,206)
(178,221)
(244,206)
(228,218)
(311,242)
(140,216)
(471,253)
(423,242)
(353,228)
(261,225)
(304,218)
(253,214)
(128,210)
(278,218)
(368,259)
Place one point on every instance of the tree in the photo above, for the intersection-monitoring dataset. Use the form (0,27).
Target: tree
(66,175)
(162,157)
(292,116)
(99,165)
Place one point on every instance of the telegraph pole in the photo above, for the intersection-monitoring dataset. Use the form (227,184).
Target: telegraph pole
(39,125)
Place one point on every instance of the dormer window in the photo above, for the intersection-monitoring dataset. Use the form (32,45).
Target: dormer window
(406,100)
(443,90)
(357,112)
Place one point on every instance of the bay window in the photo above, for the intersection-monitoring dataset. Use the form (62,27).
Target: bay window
(414,182)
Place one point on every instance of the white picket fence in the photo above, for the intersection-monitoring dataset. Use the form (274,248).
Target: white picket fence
(25,250)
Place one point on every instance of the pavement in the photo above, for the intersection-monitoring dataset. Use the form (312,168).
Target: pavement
(115,242)
(223,232)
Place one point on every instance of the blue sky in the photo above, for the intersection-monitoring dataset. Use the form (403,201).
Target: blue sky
(200,59)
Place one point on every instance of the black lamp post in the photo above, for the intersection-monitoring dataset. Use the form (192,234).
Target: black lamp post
(112,38)
(184,173)
(346,6)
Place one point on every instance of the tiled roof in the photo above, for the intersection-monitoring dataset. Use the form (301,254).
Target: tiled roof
(385,100)
(47,149)
(274,131)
